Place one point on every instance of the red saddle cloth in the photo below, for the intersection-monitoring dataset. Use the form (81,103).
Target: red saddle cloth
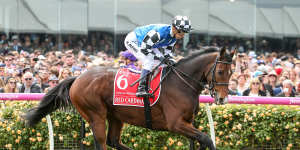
(125,95)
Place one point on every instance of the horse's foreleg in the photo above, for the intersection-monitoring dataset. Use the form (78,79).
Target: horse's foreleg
(114,133)
(188,130)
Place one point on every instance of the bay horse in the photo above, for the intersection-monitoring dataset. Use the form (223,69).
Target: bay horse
(92,95)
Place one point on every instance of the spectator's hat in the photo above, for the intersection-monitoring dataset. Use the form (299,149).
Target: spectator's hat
(257,74)
(252,54)
(58,53)
(53,78)
(74,68)
(284,58)
(297,61)
(263,69)
(15,37)
(41,57)
(259,62)
(26,68)
(272,73)
(278,70)
(2,65)
(277,62)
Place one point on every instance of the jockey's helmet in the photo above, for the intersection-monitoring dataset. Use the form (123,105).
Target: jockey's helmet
(182,23)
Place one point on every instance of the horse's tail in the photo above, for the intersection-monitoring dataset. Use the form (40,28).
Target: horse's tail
(56,98)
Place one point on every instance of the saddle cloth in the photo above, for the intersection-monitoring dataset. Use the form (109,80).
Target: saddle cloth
(125,95)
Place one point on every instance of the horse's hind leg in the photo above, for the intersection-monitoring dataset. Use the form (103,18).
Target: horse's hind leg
(188,130)
(98,127)
(97,144)
(114,133)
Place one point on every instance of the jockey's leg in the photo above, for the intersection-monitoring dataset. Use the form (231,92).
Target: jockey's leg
(147,66)
(141,91)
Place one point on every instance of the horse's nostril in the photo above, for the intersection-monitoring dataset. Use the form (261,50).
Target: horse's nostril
(220,101)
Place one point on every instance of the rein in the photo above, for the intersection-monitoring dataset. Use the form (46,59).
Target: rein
(177,71)
(212,83)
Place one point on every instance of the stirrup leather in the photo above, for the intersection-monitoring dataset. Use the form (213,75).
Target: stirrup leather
(141,91)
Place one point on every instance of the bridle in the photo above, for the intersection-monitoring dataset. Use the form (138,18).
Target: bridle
(211,83)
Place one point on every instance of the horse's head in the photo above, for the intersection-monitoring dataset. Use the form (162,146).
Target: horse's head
(219,75)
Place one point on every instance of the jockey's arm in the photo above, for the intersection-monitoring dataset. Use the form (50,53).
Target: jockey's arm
(150,39)
(169,51)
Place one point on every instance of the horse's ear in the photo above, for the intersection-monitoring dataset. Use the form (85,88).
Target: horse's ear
(233,53)
(223,52)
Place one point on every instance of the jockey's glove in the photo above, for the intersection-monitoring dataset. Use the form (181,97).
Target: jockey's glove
(145,51)
(162,59)
(170,62)
(167,60)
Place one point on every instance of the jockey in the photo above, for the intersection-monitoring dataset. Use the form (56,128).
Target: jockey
(153,43)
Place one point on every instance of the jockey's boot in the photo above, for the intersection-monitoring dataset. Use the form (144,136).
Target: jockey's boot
(141,91)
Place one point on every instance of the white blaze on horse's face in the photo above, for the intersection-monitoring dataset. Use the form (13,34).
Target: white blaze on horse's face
(220,100)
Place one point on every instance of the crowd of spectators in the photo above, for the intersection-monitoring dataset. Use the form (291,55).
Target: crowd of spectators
(92,43)
(270,74)
(31,66)
(35,64)
(259,44)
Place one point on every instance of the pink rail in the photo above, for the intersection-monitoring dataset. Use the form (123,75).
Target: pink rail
(255,100)
(21,96)
(202,99)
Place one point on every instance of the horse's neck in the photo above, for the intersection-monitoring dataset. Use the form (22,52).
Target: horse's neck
(196,68)
(199,66)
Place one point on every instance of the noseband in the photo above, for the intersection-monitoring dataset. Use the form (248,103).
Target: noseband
(213,81)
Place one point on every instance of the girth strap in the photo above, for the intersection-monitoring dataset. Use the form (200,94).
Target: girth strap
(147,112)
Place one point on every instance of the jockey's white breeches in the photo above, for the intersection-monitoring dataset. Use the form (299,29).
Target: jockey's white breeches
(148,61)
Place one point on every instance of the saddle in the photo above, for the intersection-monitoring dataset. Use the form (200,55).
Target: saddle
(125,95)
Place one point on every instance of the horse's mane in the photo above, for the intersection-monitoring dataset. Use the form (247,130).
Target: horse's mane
(198,53)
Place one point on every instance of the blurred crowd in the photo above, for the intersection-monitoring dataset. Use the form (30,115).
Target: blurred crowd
(32,65)
(269,74)
(28,65)
(92,43)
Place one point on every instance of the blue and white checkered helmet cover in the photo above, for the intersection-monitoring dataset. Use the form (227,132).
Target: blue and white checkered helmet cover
(182,23)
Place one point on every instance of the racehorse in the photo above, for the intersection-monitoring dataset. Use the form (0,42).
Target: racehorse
(92,95)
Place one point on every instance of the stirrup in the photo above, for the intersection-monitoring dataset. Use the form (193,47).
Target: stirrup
(150,95)
(141,94)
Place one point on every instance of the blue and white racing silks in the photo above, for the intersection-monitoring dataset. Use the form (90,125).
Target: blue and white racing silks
(155,36)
